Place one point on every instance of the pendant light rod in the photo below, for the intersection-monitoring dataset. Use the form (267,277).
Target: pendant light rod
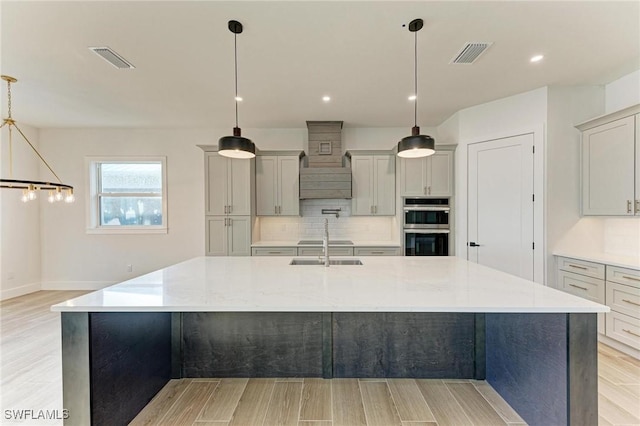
(235,60)
(415,79)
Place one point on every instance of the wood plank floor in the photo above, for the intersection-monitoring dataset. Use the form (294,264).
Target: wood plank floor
(31,376)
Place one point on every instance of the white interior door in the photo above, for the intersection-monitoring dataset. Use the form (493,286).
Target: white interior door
(500,208)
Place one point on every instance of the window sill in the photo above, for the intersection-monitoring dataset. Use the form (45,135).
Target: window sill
(129,230)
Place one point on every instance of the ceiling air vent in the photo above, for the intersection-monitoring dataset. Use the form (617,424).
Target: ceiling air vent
(112,57)
(470,52)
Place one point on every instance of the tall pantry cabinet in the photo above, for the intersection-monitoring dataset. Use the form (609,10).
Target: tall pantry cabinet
(228,204)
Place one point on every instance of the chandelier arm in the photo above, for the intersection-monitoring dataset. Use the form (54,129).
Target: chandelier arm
(37,153)
(3,124)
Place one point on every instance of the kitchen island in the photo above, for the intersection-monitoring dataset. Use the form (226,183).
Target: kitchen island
(433,317)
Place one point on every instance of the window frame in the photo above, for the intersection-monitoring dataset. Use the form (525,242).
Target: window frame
(94,196)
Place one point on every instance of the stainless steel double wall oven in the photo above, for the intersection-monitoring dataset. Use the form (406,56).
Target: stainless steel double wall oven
(426,226)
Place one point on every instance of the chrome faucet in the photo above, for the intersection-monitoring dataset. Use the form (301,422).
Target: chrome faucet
(325,242)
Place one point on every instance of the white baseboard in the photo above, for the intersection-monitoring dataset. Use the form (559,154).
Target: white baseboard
(75,285)
(628,350)
(10,293)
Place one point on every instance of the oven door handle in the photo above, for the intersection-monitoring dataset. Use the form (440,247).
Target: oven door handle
(427,209)
(426,231)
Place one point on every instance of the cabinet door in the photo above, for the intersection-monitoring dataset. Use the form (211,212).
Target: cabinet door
(608,168)
(239,198)
(266,185)
(289,185)
(637,131)
(440,174)
(239,236)
(216,183)
(384,184)
(216,236)
(413,176)
(362,185)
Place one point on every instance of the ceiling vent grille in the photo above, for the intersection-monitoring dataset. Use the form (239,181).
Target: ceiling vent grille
(112,57)
(470,52)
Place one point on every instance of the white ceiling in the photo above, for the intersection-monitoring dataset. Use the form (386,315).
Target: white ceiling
(293,53)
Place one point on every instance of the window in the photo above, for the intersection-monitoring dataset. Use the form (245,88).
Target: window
(128,195)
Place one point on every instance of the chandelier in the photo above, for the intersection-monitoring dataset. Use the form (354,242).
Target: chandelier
(58,191)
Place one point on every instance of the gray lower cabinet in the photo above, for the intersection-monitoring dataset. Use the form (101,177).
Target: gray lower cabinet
(317,251)
(274,251)
(376,251)
(617,287)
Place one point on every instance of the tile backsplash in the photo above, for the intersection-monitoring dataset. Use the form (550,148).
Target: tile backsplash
(310,224)
(622,236)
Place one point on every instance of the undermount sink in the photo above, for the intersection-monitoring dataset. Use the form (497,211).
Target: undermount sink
(319,262)
(331,242)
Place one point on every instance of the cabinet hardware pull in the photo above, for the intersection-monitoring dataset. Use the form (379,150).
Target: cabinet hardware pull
(230,209)
(429,190)
(279,209)
(375,209)
(628,206)
(637,206)
(630,332)
(377,252)
(225,221)
(579,267)
(631,301)
(577,286)
(275,252)
(631,278)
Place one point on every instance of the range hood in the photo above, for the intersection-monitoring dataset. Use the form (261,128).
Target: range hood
(325,176)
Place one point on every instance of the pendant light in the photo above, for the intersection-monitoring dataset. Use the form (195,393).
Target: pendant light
(29,187)
(416,145)
(236,146)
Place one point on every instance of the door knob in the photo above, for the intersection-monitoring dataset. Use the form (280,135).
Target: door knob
(473,244)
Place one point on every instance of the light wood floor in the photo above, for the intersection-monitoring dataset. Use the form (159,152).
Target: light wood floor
(31,376)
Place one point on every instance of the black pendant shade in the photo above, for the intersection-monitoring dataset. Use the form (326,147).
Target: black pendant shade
(416,145)
(236,146)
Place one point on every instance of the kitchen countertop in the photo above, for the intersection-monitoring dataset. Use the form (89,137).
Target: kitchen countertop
(382,284)
(606,258)
(356,243)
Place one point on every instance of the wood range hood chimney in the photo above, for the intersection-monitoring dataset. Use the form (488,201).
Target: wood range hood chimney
(325,176)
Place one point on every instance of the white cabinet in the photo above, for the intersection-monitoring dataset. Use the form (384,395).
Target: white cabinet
(374,185)
(431,175)
(228,185)
(611,164)
(278,185)
(228,236)
(623,297)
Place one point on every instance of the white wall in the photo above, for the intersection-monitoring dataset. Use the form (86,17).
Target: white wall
(19,222)
(522,113)
(567,106)
(623,92)
(71,258)
(379,138)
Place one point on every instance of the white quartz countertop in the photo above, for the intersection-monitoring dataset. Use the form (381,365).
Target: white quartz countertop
(605,258)
(356,243)
(381,284)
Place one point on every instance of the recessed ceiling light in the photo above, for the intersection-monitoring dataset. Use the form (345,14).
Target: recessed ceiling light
(413,97)
(536,58)
(326,98)
(238,98)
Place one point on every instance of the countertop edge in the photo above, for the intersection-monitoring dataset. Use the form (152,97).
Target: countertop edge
(604,258)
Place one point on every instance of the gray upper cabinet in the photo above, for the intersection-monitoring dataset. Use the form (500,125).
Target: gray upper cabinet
(228,185)
(431,176)
(374,185)
(611,164)
(278,185)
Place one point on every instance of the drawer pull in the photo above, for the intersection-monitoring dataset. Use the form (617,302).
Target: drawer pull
(577,286)
(630,301)
(275,252)
(631,278)
(631,332)
(377,252)
(578,267)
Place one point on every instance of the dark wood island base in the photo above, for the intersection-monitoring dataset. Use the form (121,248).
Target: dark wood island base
(543,364)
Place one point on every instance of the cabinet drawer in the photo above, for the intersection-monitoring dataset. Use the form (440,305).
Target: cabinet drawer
(582,267)
(624,299)
(579,285)
(624,329)
(376,251)
(317,251)
(623,276)
(274,251)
